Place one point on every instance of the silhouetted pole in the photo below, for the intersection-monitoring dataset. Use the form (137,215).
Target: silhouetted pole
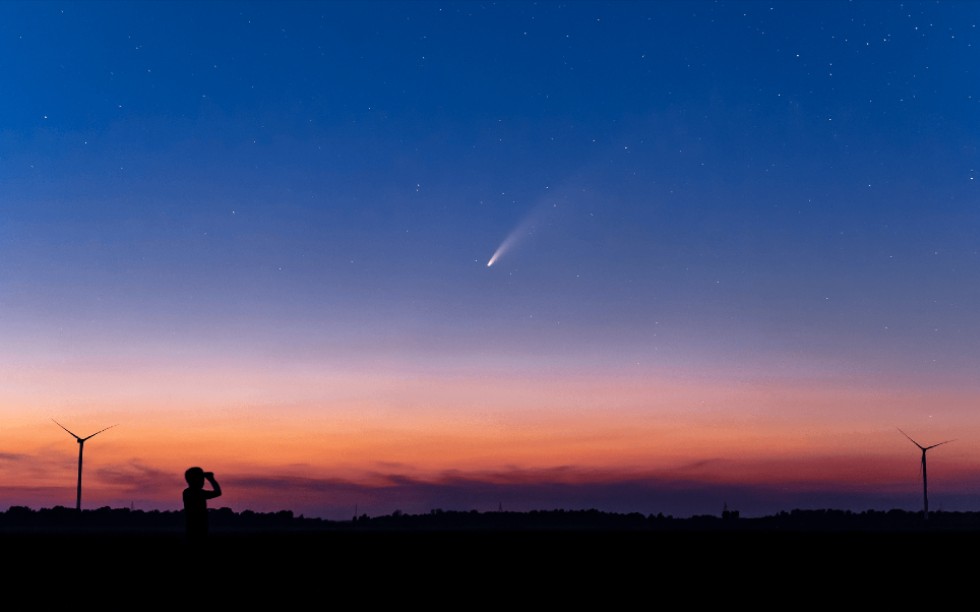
(78,493)
(81,447)
(925,489)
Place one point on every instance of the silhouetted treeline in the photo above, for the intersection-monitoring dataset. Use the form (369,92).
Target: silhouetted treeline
(61,518)
(20,519)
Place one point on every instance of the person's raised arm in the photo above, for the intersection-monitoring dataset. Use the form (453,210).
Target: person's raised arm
(216,488)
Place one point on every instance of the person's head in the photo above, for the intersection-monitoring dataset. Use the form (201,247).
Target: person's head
(194,477)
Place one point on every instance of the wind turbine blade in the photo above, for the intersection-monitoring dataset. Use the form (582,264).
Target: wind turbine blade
(939,444)
(66,429)
(910,438)
(100,431)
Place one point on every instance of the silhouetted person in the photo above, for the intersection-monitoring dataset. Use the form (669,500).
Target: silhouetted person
(196,502)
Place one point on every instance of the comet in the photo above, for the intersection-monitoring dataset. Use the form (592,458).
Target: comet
(524,229)
(504,246)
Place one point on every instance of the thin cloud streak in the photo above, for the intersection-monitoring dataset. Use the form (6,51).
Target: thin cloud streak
(568,487)
(572,489)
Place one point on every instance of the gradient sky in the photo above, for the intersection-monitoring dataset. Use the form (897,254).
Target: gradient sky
(740,251)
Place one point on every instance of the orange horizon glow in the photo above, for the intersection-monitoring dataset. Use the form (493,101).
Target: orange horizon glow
(525,432)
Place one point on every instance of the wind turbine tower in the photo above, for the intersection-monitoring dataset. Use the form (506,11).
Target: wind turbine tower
(81,447)
(925,490)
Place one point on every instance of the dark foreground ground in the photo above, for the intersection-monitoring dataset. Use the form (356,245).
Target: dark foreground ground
(800,560)
(492,570)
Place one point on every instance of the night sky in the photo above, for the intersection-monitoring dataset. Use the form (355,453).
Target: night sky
(735,250)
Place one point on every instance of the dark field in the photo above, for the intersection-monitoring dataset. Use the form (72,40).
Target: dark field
(497,560)
(611,570)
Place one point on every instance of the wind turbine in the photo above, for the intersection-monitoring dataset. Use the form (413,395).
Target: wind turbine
(925,491)
(81,447)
